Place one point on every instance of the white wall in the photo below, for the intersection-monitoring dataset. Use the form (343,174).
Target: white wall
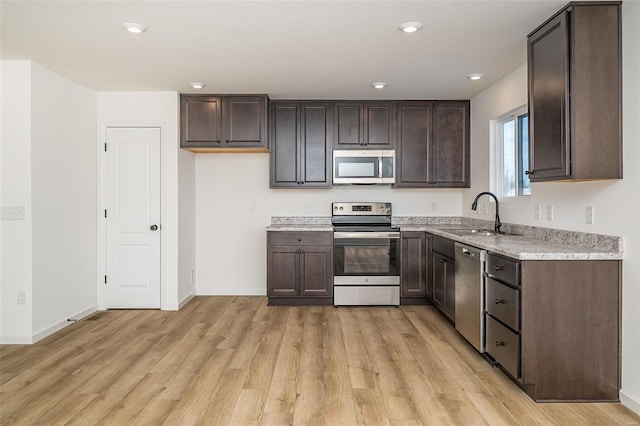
(231,240)
(616,203)
(153,109)
(49,168)
(15,94)
(63,169)
(186,225)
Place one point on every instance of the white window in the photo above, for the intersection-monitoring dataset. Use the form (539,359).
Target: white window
(512,154)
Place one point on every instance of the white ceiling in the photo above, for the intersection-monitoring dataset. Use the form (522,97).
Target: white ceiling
(287,49)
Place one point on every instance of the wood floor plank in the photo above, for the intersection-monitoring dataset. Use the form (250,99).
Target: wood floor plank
(235,360)
(339,402)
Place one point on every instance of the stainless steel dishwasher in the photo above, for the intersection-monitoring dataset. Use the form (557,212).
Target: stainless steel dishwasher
(470,294)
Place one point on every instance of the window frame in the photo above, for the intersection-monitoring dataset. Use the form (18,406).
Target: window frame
(498,169)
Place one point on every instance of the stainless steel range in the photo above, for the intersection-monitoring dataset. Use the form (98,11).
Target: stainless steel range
(366,253)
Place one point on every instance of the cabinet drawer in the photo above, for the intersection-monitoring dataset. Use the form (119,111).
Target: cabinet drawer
(503,302)
(444,246)
(310,238)
(503,345)
(503,269)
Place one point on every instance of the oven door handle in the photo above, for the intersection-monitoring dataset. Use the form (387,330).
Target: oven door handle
(339,235)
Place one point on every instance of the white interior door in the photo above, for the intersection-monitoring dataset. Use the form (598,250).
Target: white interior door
(133,217)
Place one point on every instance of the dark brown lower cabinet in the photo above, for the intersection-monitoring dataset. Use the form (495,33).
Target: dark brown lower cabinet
(300,268)
(554,326)
(414,269)
(443,267)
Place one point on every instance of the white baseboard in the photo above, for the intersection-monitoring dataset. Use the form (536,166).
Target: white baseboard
(632,402)
(62,324)
(235,292)
(180,305)
(186,300)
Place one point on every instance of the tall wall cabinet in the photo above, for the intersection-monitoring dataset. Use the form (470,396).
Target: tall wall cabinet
(575,94)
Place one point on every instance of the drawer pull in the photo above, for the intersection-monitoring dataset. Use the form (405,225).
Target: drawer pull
(498,268)
(299,239)
(441,260)
(499,301)
(499,343)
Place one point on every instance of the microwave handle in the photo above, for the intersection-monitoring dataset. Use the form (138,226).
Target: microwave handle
(380,166)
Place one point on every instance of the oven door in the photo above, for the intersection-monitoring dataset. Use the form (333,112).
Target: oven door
(374,255)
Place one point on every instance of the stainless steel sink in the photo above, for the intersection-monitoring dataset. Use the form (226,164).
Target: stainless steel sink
(467,231)
(476,231)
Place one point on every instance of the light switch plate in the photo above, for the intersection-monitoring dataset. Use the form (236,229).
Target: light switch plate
(537,212)
(550,213)
(13,213)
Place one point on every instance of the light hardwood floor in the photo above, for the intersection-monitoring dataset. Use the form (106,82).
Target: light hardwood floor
(234,360)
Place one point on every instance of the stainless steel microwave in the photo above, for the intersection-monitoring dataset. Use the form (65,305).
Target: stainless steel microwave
(364,167)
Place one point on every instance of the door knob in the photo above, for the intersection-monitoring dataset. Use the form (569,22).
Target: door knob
(153,227)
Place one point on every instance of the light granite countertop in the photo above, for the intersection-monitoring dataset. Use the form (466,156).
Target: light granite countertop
(529,243)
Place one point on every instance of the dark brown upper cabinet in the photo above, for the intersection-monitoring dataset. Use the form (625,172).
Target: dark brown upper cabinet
(301,135)
(364,125)
(575,83)
(433,144)
(211,123)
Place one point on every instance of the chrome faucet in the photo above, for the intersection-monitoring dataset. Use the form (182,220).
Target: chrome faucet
(474,206)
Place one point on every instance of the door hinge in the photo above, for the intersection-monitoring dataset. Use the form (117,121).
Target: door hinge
(105,212)
(105,279)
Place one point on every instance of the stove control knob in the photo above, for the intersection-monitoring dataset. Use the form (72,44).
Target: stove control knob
(341,208)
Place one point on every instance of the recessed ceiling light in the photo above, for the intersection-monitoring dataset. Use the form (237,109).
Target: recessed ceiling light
(475,76)
(134,28)
(197,85)
(410,27)
(379,84)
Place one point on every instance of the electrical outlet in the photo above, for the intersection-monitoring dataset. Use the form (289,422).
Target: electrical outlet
(193,278)
(434,207)
(22,297)
(252,208)
(550,213)
(307,208)
(485,209)
(590,215)
(537,212)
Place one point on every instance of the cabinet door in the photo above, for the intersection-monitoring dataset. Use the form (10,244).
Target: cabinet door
(444,290)
(245,120)
(450,145)
(549,138)
(449,288)
(438,274)
(414,141)
(284,155)
(316,124)
(200,121)
(379,124)
(316,276)
(282,271)
(349,125)
(414,258)
(428,267)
